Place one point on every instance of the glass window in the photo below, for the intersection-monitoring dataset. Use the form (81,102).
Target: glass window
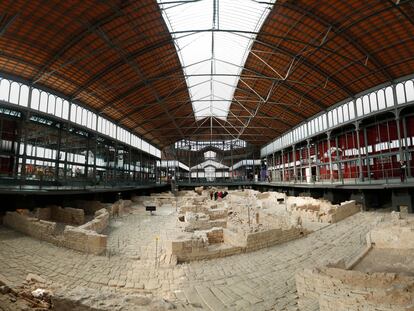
(203,51)
(330,120)
(359,108)
(345,112)
(366,104)
(335,117)
(24,95)
(373,101)
(58,107)
(381,99)
(100,124)
(389,96)
(14,93)
(51,104)
(351,107)
(73,112)
(84,117)
(89,122)
(78,115)
(43,101)
(409,90)
(65,110)
(340,113)
(35,99)
(93,121)
(400,93)
(4,90)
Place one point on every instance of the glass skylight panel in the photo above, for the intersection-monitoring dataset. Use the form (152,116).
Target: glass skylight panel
(213,39)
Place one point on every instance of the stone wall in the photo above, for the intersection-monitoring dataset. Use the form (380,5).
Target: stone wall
(328,289)
(309,209)
(66,215)
(82,240)
(40,229)
(251,241)
(201,221)
(90,207)
(99,223)
(72,237)
(266,238)
(215,236)
(219,242)
(392,236)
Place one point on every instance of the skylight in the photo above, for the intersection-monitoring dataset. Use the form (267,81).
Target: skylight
(213,38)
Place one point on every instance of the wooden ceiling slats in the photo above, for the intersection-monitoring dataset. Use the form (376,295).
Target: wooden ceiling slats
(119,58)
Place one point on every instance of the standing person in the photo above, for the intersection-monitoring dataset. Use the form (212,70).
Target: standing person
(403,166)
(211,194)
(215,196)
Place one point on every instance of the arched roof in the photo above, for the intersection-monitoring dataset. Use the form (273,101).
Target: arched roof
(108,55)
(119,59)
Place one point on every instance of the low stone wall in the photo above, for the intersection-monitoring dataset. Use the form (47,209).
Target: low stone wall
(40,229)
(328,289)
(72,237)
(66,215)
(343,210)
(219,242)
(201,221)
(217,213)
(90,207)
(262,239)
(82,240)
(200,248)
(215,236)
(99,223)
(251,241)
(392,236)
(324,212)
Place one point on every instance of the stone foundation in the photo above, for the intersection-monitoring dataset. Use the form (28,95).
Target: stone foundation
(99,223)
(66,215)
(83,238)
(328,289)
(341,289)
(323,212)
(218,242)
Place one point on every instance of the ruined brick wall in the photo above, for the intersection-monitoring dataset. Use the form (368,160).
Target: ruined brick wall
(44,213)
(256,240)
(392,236)
(40,229)
(86,241)
(90,207)
(266,238)
(215,236)
(99,223)
(328,289)
(323,212)
(68,215)
(72,237)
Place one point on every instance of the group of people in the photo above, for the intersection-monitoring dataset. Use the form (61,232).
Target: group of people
(218,195)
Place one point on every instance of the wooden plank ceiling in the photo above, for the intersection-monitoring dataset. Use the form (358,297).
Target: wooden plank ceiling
(118,58)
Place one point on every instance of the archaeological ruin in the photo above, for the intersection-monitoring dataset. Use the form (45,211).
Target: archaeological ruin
(207,155)
(245,249)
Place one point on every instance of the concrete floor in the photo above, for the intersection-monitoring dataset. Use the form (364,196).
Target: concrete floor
(261,280)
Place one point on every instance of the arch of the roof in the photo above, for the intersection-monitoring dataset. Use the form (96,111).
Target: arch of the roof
(119,59)
(106,55)
(345,49)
